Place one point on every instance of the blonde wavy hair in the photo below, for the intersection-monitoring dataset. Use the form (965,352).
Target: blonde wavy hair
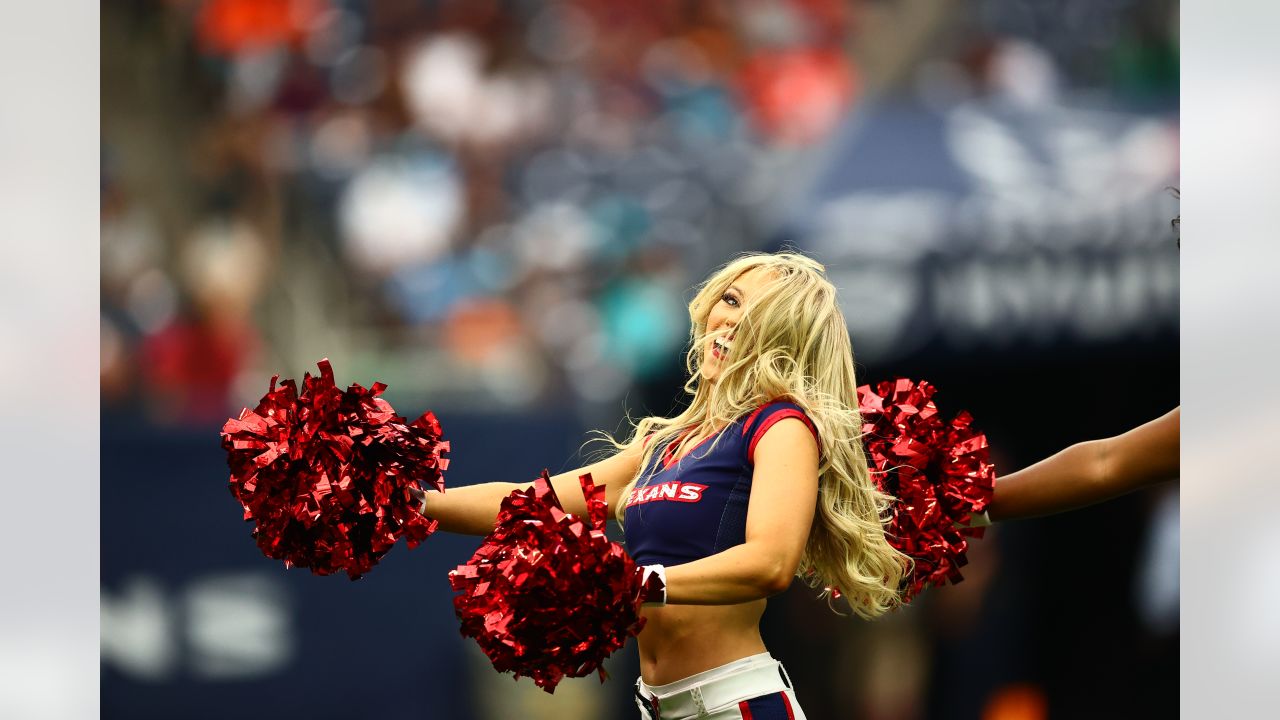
(791,342)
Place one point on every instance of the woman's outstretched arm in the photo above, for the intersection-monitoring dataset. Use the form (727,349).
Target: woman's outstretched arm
(1090,472)
(472,509)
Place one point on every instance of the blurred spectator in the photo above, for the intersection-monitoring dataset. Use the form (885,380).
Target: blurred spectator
(193,357)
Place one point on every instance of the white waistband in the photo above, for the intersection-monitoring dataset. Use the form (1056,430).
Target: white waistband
(715,688)
(706,676)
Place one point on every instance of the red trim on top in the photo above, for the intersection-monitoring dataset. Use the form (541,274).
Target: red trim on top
(669,451)
(787,701)
(745,709)
(771,421)
(752,417)
(670,459)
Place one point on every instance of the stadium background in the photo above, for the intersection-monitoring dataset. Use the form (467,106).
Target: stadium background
(498,209)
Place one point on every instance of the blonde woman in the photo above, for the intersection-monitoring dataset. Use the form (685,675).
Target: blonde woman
(762,479)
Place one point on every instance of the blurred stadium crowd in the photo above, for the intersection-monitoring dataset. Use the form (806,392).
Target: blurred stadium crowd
(499,207)
(502,203)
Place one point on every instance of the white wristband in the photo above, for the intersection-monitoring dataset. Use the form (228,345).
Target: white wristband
(422,509)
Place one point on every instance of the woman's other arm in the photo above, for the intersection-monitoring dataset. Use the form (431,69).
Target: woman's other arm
(1090,472)
(784,493)
(472,510)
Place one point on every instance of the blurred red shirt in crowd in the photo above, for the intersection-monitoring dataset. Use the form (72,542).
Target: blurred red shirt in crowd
(189,368)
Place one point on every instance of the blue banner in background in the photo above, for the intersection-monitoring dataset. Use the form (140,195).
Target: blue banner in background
(990,225)
(197,623)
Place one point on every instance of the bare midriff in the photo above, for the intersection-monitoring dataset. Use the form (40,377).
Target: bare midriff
(683,640)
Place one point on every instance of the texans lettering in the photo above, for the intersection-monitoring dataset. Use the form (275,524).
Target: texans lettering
(672,490)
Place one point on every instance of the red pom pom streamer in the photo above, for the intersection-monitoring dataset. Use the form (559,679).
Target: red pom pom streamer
(326,474)
(938,472)
(547,595)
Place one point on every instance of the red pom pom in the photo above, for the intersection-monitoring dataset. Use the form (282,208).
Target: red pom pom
(547,595)
(938,472)
(326,474)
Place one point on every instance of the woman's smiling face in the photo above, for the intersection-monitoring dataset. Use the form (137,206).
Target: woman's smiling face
(724,317)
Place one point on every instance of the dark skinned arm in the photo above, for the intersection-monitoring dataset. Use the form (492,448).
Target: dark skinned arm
(1091,472)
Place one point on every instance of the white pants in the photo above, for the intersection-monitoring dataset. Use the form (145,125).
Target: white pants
(753,688)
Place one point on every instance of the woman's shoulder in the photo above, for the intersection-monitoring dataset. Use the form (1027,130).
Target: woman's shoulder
(779,407)
(768,414)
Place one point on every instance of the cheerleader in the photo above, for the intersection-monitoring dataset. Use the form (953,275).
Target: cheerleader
(763,478)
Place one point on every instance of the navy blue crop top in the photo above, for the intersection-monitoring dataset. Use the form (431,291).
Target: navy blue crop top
(686,509)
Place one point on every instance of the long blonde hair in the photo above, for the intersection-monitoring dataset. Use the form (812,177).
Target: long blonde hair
(791,342)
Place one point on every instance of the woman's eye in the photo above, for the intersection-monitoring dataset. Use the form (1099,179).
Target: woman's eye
(730,300)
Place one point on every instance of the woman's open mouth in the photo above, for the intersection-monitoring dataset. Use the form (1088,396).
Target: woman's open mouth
(721,347)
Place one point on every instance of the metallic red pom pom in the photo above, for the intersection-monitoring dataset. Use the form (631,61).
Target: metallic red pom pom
(326,474)
(547,595)
(939,473)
